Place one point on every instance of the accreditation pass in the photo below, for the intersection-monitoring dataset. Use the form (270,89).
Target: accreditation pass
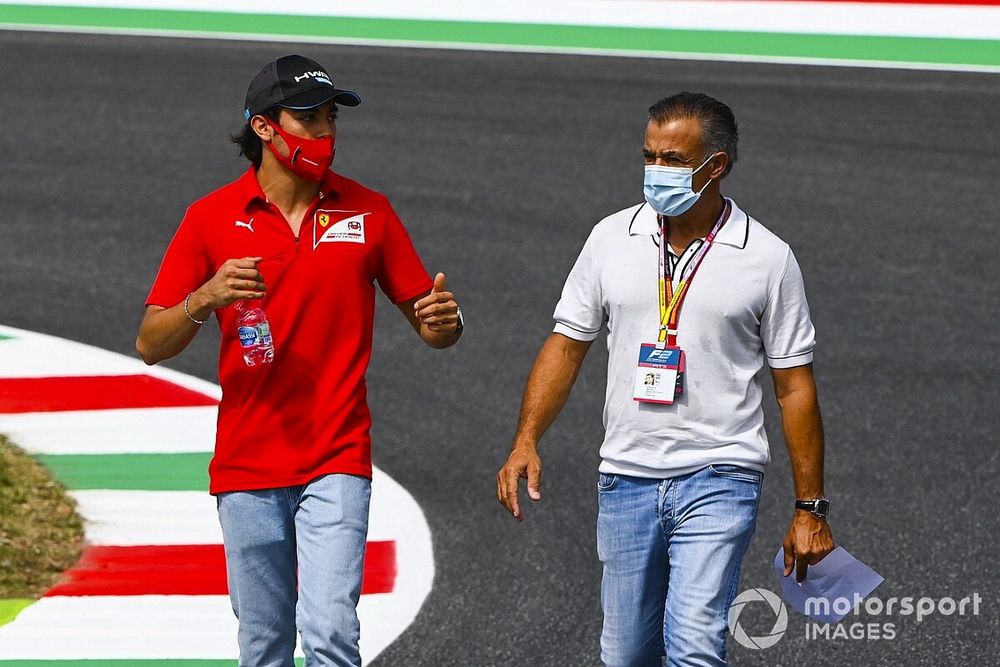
(657,374)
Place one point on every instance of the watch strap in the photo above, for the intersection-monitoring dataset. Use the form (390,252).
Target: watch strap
(817,506)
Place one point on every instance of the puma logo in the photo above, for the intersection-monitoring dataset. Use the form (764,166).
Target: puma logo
(248,225)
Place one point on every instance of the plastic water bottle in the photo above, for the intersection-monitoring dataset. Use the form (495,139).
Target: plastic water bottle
(255,334)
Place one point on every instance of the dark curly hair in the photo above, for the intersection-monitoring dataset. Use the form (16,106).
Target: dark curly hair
(250,145)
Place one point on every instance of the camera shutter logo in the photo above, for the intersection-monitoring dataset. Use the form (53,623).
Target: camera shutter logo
(780,618)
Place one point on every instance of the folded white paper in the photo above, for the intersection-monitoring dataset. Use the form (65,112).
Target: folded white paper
(833,588)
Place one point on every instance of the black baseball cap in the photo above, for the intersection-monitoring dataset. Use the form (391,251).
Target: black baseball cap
(294,82)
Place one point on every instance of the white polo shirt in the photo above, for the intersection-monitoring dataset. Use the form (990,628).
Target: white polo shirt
(746,304)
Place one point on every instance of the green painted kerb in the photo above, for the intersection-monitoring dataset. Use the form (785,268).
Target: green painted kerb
(939,51)
(130,472)
(9,609)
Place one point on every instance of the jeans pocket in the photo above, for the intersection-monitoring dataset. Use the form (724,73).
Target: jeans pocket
(606,482)
(738,473)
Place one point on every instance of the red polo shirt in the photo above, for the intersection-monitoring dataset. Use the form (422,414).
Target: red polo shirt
(306,414)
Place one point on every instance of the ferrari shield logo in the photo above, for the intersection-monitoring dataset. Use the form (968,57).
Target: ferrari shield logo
(324,219)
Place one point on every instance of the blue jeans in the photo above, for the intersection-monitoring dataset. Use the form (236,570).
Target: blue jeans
(318,529)
(672,551)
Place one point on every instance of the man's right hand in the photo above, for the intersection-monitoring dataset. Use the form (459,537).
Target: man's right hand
(552,376)
(236,280)
(523,463)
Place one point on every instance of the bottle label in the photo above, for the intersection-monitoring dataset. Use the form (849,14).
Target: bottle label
(248,336)
(264,332)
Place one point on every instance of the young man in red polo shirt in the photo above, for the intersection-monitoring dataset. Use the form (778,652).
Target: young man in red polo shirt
(292,464)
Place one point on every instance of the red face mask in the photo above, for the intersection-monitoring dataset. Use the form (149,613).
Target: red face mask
(307,158)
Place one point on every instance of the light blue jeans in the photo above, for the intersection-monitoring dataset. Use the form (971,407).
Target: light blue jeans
(672,550)
(318,529)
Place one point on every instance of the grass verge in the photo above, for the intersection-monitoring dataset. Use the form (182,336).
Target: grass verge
(41,534)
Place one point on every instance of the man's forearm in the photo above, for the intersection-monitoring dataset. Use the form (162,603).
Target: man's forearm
(809,539)
(803,428)
(552,376)
(165,332)
(804,435)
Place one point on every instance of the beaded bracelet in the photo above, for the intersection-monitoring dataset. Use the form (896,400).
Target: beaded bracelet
(188,312)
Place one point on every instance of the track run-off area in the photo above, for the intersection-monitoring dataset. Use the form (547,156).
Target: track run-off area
(132,445)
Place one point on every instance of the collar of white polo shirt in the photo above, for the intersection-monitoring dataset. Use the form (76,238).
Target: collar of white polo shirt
(733,233)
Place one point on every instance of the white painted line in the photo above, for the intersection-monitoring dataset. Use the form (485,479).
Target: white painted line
(146,627)
(395,515)
(33,354)
(382,618)
(125,627)
(37,357)
(135,518)
(844,18)
(133,431)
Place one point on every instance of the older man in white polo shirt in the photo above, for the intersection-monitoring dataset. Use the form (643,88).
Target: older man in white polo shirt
(696,296)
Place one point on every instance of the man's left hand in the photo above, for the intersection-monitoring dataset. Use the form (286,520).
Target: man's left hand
(438,311)
(808,541)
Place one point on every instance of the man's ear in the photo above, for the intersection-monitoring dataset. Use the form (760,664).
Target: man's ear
(719,165)
(260,127)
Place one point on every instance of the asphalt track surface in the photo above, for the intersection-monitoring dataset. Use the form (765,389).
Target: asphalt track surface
(882,181)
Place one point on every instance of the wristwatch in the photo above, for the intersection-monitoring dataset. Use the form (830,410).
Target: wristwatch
(460,325)
(818,507)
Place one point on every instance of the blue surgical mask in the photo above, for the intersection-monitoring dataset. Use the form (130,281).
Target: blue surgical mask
(668,189)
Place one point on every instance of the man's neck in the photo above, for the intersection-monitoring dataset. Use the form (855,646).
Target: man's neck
(292,195)
(283,188)
(696,223)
